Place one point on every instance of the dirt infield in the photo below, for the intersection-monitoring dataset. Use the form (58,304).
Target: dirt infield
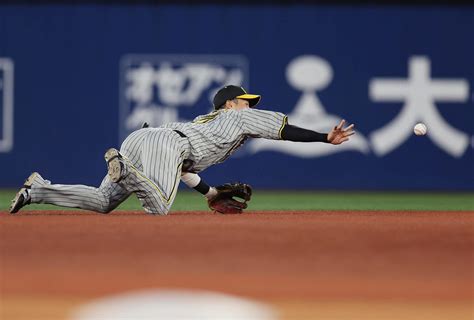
(307,265)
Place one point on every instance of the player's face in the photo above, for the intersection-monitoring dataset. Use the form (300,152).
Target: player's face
(239,104)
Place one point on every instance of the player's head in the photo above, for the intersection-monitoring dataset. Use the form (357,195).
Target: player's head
(227,95)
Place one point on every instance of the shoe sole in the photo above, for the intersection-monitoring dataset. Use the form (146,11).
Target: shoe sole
(17,202)
(114,164)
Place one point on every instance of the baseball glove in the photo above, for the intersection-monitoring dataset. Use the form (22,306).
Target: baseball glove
(224,201)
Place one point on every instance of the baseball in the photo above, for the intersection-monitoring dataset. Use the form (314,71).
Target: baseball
(420,129)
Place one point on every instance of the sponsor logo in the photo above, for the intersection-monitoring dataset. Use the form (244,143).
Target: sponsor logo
(6,105)
(419,92)
(164,88)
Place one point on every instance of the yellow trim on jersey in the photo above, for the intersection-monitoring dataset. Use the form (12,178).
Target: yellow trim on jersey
(178,177)
(285,122)
(206,118)
(173,190)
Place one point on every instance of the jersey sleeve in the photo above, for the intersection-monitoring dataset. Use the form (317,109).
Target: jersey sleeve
(263,123)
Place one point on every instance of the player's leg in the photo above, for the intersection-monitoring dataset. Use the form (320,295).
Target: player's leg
(161,159)
(37,190)
(103,199)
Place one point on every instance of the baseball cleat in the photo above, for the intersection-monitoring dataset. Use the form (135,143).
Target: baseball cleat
(23,196)
(114,164)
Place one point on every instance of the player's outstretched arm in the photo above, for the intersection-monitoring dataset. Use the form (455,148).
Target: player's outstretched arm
(337,135)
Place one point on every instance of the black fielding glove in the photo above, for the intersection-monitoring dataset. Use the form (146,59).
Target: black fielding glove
(224,202)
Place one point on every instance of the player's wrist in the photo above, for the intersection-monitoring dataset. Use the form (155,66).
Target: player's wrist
(211,193)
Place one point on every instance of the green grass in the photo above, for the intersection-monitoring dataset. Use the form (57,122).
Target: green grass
(308,200)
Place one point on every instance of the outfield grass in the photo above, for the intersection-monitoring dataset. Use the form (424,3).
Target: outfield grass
(308,200)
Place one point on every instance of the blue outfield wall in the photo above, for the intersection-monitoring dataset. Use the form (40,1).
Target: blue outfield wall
(75,80)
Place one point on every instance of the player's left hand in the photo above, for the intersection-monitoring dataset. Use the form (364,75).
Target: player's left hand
(339,134)
(224,201)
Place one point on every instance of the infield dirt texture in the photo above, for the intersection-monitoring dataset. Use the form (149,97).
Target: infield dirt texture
(304,264)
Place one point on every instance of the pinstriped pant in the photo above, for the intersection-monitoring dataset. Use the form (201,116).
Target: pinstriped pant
(153,159)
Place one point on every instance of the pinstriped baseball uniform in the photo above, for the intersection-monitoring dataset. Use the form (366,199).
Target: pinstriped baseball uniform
(214,137)
(154,156)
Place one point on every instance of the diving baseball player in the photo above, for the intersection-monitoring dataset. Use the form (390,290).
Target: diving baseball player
(151,161)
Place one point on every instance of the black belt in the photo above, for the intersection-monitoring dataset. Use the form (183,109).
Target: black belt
(182,135)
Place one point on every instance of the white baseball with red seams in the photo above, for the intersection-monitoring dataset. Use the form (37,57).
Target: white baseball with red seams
(420,129)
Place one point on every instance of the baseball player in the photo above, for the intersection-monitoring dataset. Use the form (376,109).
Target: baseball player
(151,161)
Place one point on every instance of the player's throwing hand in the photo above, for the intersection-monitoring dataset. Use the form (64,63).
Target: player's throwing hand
(339,134)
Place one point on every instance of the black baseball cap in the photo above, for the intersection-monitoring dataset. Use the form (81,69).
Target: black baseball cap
(231,92)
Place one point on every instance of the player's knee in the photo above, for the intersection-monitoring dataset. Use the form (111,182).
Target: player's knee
(106,210)
(106,207)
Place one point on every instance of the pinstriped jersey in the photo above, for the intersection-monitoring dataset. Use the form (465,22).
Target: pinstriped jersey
(215,136)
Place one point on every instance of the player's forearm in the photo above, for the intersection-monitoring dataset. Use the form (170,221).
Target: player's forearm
(194,181)
(297,134)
